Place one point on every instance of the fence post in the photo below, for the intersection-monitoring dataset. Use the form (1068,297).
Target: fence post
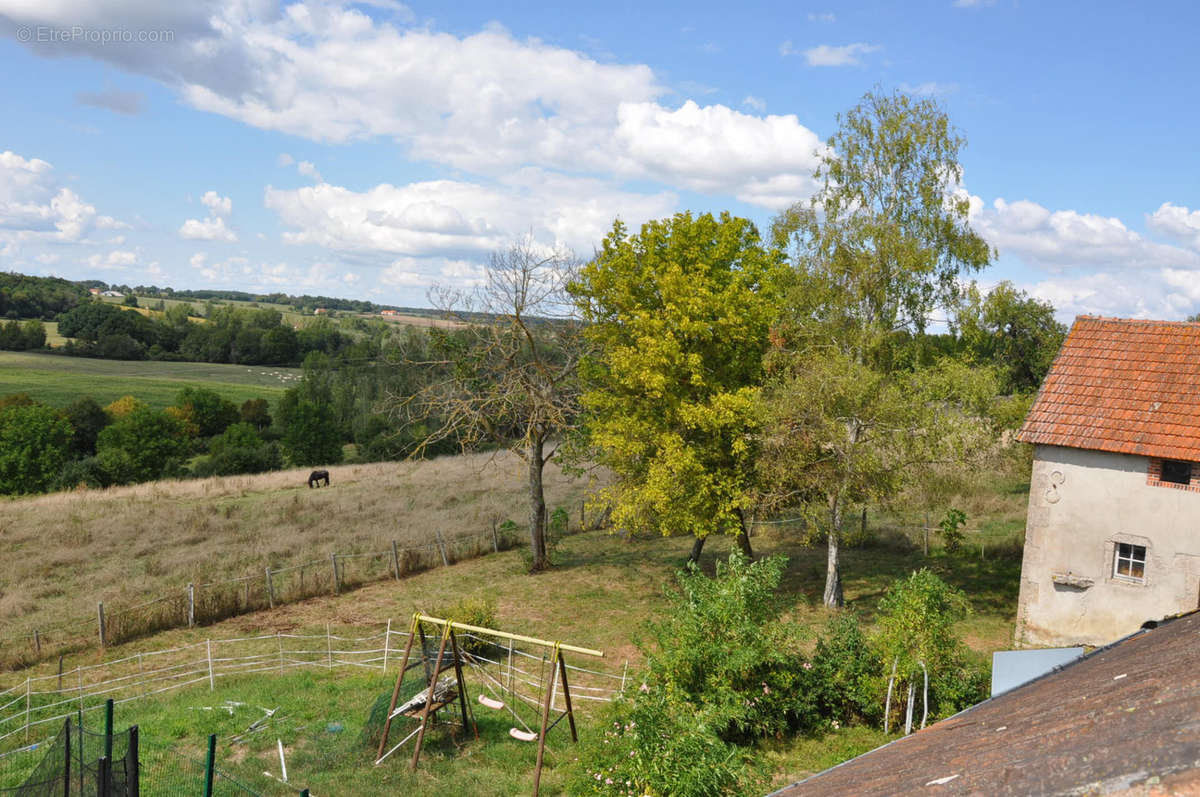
(387,643)
(337,585)
(134,772)
(27,708)
(279,640)
(328,646)
(37,642)
(396,560)
(210,765)
(191,605)
(270,589)
(441,547)
(108,728)
(67,759)
(104,778)
(100,615)
(60,658)
(495,538)
(211,679)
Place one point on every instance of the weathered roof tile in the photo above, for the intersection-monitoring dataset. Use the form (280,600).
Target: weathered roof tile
(1122,385)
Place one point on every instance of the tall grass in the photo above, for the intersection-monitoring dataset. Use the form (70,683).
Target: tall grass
(136,548)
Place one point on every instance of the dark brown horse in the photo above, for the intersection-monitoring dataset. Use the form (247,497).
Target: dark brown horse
(314,478)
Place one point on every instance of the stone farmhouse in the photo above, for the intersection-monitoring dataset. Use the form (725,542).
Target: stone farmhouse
(1113,532)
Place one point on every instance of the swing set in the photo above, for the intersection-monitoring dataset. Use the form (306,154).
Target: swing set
(440,693)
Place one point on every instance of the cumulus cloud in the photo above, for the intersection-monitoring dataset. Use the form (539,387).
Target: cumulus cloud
(213,228)
(115,260)
(838,55)
(1061,239)
(34,206)
(755,103)
(308,170)
(487,103)
(1177,222)
(459,218)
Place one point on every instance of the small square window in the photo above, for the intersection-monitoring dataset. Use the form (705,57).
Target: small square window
(1130,561)
(1176,472)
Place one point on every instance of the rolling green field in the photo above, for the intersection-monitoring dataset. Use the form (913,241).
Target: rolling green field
(58,380)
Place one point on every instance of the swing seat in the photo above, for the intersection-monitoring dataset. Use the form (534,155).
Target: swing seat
(490,702)
(524,736)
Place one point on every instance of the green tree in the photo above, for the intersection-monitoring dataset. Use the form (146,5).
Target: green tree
(143,445)
(239,449)
(206,409)
(34,440)
(678,317)
(885,240)
(256,412)
(87,418)
(917,639)
(1013,331)
(881,245)
(310,430)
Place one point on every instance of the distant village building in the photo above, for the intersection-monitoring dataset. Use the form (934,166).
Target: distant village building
(390,312)
(1113,532)
(94,291)
(320,311)
(1121,720)
(114,294)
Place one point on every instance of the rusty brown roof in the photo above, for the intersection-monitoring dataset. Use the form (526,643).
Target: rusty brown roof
(1124,719)
(1122,385)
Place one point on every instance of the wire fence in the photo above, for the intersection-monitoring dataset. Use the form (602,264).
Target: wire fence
(205,603)
(36,706)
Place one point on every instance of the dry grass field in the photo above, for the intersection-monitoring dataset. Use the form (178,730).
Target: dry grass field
(66,551)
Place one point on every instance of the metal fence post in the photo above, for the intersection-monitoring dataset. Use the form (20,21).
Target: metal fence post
(134,770)
(104,778)
(210,765)
(67,758)
(108,728)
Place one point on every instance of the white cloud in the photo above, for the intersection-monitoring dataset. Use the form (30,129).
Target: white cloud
(973,3)
(217,205)
(929,88)
(285,159)
(115,100)
(458,218)
(308,170)
(714,148)
(34,206)
(838,55)
(1057,240)
(754,103)
(211,229)
(824,16)
(487,103)
(1180,223)
(116,260)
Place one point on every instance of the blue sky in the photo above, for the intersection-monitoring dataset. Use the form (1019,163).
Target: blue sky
(372,150)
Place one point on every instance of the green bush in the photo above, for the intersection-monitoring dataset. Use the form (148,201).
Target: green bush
(847,669)
(88,471)
(654,744)
(951,526)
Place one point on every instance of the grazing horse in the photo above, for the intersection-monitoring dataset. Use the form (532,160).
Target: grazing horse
(314,478)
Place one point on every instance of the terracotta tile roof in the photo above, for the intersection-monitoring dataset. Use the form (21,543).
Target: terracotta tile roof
(1122,385)
(1124,719)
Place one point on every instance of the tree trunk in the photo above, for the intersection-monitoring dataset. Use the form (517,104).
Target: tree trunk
(833,573)
(743,537)
(537,508)
(697,547)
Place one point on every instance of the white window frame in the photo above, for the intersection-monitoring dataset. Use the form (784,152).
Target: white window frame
(1129,560)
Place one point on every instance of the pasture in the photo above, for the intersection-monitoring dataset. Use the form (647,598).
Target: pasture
(58,380)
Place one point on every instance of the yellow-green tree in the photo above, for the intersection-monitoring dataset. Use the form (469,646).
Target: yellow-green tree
(678,317)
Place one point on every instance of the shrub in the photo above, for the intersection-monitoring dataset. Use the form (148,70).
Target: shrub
(654,744)
(472,611)
(847,670)
(87,471)
(143,445)
(239,449)
(723,648)
(951,526)
(34,440)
